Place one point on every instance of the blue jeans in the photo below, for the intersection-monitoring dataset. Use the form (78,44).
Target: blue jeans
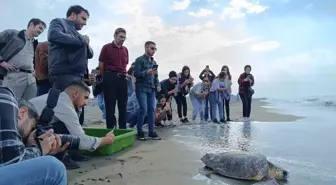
(198,106)
(207,108)
(146,102)
(101,104)
(46,170)
(214,103)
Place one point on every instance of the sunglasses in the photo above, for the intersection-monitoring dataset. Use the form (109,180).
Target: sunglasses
(153,48)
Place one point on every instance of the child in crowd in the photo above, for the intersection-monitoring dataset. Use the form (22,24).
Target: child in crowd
(218,92)
(197,96)
(162,111)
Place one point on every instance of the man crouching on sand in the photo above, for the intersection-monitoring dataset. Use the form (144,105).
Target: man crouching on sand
(66,121)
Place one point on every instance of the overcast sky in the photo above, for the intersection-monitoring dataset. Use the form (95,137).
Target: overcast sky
(289,43)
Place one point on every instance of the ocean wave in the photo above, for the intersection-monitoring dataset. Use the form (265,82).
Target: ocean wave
(322,101)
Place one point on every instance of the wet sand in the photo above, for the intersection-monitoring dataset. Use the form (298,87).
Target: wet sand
(156,162)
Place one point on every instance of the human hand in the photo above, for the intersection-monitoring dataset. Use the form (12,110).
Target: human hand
(158,89)
(151,72)
(91,79)
(46,141)
(86,39)
(246,79)
(57,147)
(7,66)
(31,141)
(109,137)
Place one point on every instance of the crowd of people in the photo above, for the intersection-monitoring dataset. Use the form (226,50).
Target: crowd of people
(36,74)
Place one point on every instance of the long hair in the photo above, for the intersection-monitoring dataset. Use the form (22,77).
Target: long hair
(228,71)
(183,69)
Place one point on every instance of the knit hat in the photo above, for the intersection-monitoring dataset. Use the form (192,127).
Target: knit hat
(172,74)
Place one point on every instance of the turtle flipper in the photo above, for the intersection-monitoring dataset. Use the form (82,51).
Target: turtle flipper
(206,171)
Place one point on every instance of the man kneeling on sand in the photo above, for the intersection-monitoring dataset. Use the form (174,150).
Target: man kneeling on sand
(66,120)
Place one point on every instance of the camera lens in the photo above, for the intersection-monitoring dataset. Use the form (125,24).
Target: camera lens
(73,140)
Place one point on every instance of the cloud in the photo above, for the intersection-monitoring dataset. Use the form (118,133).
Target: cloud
(201,13)
(265,46)
(195,44)
(181,5)
(239,8)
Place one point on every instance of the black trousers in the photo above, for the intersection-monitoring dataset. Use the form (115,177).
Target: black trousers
(226,108)
(115,91)
(181,103)
(60,128)
(247,101)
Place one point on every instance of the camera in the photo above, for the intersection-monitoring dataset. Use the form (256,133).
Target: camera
(44,123)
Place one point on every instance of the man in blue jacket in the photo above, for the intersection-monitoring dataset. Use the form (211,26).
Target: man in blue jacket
(69,51)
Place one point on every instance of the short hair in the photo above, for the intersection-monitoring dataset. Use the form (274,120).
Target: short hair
(222,74)
(77,9)
(161,96)
(32,112)
(119,30)
(79,84)
(36,21)
(247,66)
(97,68)
(130,70)
(149,43)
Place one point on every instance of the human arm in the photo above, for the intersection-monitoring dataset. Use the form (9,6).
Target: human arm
(89,52)
(5,36)
(201,75)
(212,74)
(65,113)
(241,79)
(56,35)
(139,71)
(102,59)
(156,81)
(12,148)
(251,80)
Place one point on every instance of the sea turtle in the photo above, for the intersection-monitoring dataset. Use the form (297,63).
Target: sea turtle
(244,166)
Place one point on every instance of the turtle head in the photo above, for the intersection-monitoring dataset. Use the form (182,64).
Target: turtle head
(277,172)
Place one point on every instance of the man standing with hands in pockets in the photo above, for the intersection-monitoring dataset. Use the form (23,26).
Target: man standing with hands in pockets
(146,86)
(69,51)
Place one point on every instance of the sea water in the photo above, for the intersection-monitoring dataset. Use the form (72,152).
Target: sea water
(306,148)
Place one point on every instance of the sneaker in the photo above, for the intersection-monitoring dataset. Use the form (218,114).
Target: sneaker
(215,121)
(186,120)
(159,124)
(154,136)
(141,136)
(69,163)
(78,157)
(229,119)
(182,120)
(222,121)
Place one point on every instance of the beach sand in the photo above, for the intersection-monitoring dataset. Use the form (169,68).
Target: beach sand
(156,162)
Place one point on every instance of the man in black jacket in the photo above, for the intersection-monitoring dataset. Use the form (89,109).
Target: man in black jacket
(69,51)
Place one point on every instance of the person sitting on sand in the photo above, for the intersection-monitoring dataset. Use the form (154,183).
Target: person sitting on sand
(198,94)
(162,111)
(168,89)
(217,94)
(130,81)
(132,111)
(245,82)
(66,121)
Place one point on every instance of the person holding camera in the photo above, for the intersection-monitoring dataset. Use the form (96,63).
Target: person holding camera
(169,89)
(65,121)
(17,154)
(207,74)
(245,82)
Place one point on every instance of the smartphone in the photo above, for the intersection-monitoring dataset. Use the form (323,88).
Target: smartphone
(155,67)
(94,72)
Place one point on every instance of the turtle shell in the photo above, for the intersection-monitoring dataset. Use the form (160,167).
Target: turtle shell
(238,165)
